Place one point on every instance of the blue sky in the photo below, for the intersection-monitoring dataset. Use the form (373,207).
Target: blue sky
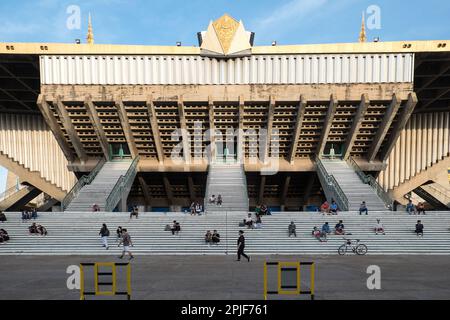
(166,22)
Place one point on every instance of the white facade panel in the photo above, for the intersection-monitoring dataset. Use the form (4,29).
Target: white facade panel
(256,69)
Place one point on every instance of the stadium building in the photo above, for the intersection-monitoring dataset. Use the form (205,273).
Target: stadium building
(283,125)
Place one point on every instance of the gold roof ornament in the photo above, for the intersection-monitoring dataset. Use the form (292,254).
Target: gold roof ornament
(90,34)
(362,33)
(226,37)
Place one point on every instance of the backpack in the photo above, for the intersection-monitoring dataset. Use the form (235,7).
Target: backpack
(107,233)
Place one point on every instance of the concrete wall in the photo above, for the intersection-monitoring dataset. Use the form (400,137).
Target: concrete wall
(27,139)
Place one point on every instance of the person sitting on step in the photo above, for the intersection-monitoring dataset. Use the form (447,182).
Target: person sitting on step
(326,228)
(292,229)
(321,236)
(119,233)
(333,207)
(41,230)
(264,210)
(134,212)
(420,208)
(379,227)
(3,236)
(339,229)
(258,222)
(215,237)
(176,228)
(219,200)
(249,221)
(198,208)
(410,208)
(325,208)
(419,228)
(2,217)
(208,237)
(212,199)
(95,207)
(363,208)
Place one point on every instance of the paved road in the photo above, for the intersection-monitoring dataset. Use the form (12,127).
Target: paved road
(220,277)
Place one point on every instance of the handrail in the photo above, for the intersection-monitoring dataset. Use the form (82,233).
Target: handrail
(84,180)
(123,183)
(333,186)
(5,194)
(372,182)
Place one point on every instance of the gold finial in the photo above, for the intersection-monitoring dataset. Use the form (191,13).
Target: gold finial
(362,33)
(90,34)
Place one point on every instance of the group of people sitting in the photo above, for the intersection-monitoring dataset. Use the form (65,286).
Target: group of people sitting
(412,209)
(213,237)
(175,228)
(4,237)
(262,210)
(37,229)
(29,214)
(196,208)
(215,200)
(327,208)
(252,224)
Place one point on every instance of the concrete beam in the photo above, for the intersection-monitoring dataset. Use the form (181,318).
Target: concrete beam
(191,188)
(356,125)
(268,138)
(384,127)
(309,186)
(70,129)
(240,139)
(212,128)
(400,125)
(125,122)
(298,127)
(327,125)
(184,131)
(54,127)
(145,191)
(97,125)
(262,185)
(155,128)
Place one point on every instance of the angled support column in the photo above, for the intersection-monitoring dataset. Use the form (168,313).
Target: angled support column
(356,125)
(155,129)
(327,125)
(267,140)
(168,189)
(284,192)
(70,129)
(298,127)
(125,122)
(146,192)
(240,138)
(262,185)
(212,128)
(191,188)
(184,132)
(400,125)
(98,128)
(384,127)
(309,186)
(54,127)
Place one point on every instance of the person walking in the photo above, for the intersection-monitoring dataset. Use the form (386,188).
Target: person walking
(126,241)
(104,233)
(241,246)
(291,229)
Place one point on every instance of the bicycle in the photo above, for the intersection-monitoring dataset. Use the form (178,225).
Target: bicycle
(354,245)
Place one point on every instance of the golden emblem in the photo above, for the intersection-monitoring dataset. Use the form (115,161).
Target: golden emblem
(225,28)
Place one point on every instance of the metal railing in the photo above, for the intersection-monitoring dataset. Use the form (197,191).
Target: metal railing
(122,186)
(7,193)
(84,180)
(372,182)
(332,186)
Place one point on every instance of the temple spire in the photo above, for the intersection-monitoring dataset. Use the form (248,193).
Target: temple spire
(90,34)
(362,33)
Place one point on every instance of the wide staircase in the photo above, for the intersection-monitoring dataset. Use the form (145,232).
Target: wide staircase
(230,182)
(351,184)
(100,188)
(77,234)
